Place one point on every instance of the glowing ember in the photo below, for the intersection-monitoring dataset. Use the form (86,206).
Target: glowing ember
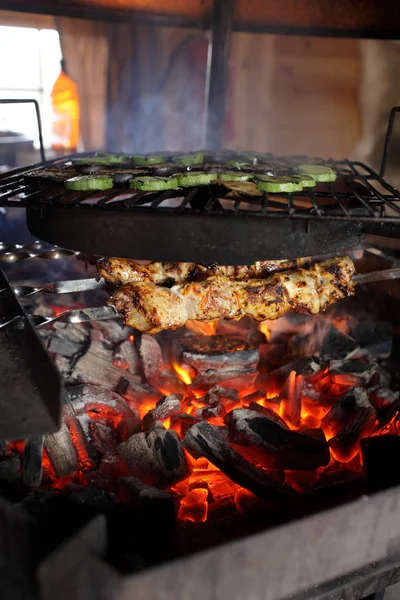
(194,506)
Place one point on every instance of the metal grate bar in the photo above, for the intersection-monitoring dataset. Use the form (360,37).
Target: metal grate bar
(188,199)
(383,183)
(160,200)
(360,194)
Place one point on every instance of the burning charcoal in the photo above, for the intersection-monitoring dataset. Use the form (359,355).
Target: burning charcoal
(10,468)
(269,413)
(137,393)
(32,463)
(270,356)
(155,456)
(303,345)
(68,340)
(257,338)
(156,506)
(194,506)
(96,367)
(64,366)
(92,403)
(239,380)
(337,345)
(345,444)
(68,448)
(151,357)
(85,398)
(91,497)
(61,451)
(169,382)
(102,437)
(166,407)
(129,489)
(272,403)
(182,422)
(378,454)
(204,440)
(209,412)
(99,479)
(291,396)
(113,331)
(112,464)
(287,449)
(126,357)
(303,366)
(255,396)
(216,351)
(220,395)
(245,501)
(362,370)
(345,410)
(386,402)
(375,339)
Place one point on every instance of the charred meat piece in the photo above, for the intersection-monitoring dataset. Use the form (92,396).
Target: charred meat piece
(150,308)
(119,271)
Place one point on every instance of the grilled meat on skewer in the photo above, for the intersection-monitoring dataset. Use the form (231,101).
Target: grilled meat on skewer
(119,271)
(150,308)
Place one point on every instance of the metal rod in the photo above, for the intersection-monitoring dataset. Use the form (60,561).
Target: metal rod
(389,132)
(217,71)
(38,119)
(375,276)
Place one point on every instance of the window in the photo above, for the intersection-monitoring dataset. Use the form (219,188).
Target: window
(29,67)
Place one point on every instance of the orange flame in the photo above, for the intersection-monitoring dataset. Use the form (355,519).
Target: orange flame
(200,328)
(182,372)
(263,327)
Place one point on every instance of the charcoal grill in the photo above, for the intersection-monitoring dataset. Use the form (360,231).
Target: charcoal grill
(203,225)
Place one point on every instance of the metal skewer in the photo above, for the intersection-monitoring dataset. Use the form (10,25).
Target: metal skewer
(375,276)
(108,312)
(60,287)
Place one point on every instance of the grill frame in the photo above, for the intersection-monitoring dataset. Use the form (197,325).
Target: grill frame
(205,226)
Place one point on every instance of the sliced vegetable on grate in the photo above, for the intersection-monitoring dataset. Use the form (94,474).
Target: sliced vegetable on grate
(268,183)
(196,178)
(154,184)
(190,159)
(306,180)
(234,176)
(102,159)
(148,160)
(90,182)
(318,172)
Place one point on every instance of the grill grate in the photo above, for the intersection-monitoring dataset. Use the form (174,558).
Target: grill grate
(359,194)
(208,223)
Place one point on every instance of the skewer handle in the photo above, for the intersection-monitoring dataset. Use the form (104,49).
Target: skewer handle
(377,276)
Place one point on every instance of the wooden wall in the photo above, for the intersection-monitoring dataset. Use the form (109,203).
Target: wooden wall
(295,95)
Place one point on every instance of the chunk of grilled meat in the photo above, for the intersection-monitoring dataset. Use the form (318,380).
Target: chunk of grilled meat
(119,271)
(150,308)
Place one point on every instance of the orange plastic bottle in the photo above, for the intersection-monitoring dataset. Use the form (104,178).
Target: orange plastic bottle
(65,103)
